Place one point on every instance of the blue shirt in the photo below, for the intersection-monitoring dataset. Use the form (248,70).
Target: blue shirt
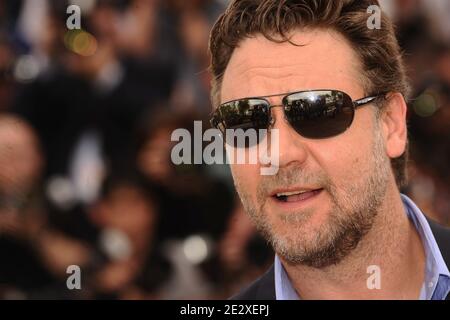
(437,277)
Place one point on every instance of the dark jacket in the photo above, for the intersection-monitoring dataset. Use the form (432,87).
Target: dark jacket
(264,287)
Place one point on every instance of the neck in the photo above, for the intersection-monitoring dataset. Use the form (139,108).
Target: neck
(392,244)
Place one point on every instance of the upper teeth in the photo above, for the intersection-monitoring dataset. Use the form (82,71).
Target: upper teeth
(287,194)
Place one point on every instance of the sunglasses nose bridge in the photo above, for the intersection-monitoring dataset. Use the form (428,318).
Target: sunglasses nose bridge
(271,116)
(281,115)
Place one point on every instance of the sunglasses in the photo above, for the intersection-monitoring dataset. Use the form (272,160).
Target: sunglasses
(314,114)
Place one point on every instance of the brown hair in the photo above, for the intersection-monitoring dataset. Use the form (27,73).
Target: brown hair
(377,49)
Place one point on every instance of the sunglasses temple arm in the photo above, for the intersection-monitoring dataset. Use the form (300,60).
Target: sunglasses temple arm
(362,102)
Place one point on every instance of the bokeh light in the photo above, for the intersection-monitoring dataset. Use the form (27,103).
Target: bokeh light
(81,42)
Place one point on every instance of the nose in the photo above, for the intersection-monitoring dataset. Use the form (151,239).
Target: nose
(292,147)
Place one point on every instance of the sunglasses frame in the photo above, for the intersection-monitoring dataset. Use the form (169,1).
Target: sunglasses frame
(218,123)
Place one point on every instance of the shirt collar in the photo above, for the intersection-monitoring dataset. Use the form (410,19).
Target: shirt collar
(283,286)
(436,270)
(437,276)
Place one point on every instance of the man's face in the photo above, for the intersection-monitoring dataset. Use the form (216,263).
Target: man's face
(349,173)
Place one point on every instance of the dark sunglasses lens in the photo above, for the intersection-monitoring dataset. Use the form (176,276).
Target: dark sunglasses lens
(245,118)
(319,114)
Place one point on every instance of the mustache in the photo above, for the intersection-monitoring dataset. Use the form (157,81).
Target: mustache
(293,176)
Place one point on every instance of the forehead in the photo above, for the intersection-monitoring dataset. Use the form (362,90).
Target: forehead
(322,59)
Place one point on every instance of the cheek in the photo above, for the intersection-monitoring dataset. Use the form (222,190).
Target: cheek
(350,168)
(343,164)
(246,177)
(349,156)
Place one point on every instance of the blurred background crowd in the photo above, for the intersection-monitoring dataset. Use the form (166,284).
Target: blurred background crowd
(85,172)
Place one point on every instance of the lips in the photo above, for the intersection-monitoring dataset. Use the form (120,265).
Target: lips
(300,194)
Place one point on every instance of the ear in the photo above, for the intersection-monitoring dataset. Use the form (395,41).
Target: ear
(394,126)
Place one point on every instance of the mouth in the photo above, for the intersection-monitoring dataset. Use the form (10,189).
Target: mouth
(299,195)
